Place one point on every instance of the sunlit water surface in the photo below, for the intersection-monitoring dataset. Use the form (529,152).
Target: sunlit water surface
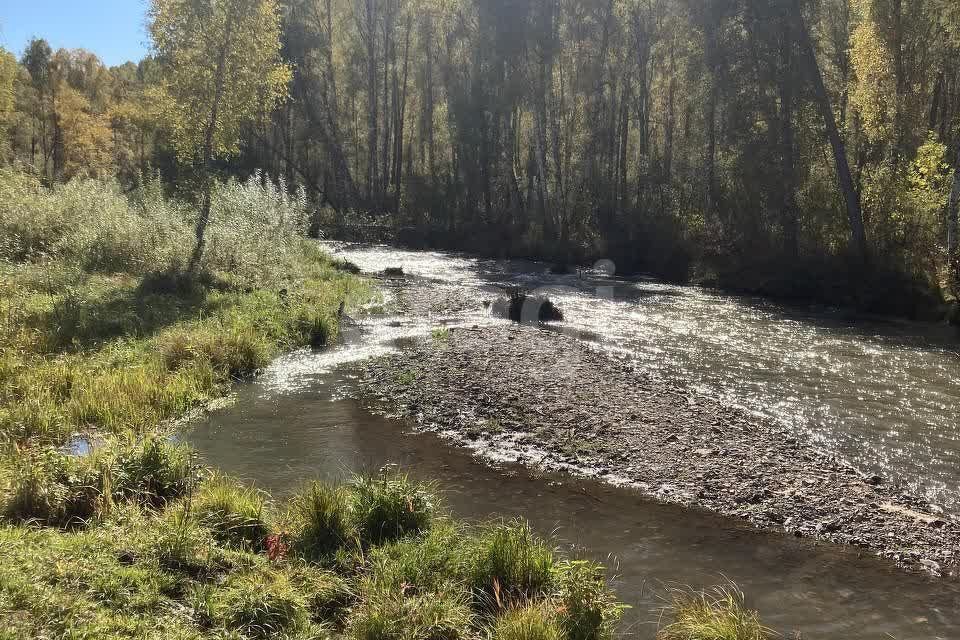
(883,395)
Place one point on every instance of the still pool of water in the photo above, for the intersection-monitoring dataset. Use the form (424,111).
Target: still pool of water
(882,394)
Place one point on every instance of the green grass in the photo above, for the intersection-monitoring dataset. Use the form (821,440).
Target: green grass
(510,564)
(719,614)
(236,514)
(182,570)
(388,507)
(531,622)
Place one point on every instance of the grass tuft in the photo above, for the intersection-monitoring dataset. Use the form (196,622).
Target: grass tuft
(320,520)
(389,507)
(531,622)
(718,614)
(234,513)
(510,565)
(587,608)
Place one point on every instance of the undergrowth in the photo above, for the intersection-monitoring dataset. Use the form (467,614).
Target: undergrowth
(102,330)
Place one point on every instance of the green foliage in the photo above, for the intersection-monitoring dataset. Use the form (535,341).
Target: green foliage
(56,489)
(510,564)
(121,352)
(587,608)
(716,615)
(531,622)
(389,507)
(221,65)
(122,575)
(394,615)
(320,519)
(263,605)
(88,224)
(233,512)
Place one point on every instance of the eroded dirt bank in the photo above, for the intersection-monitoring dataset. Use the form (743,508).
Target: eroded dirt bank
(551,400)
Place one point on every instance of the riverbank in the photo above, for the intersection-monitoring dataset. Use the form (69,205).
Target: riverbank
(109,528)
(552,401)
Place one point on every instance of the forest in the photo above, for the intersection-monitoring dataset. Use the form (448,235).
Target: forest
(794,147)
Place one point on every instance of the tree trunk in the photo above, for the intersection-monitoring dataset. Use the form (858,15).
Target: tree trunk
(858,236)
(401,118)
(713,69)
(372,105)
(789,210)
(206,171)
(953,241)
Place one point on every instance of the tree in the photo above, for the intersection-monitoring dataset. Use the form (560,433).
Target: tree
(221,61)
(8,75)
(850,197)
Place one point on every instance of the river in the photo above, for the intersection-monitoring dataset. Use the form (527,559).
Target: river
(882,394)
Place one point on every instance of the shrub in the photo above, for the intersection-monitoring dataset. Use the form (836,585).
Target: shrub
(532,622)
(588,609)
(389,507)
(321,520)
(85,222)
(233,512)
(510,564)
(716,615)
(256,229)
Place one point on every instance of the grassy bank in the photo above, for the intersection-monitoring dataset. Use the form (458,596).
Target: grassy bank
(203,557)
(103,332)
(137,541)
(106,337)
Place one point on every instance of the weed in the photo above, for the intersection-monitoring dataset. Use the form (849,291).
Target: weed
(407,377)
(441,334)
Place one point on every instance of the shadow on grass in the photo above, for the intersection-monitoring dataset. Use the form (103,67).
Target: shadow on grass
(84,317)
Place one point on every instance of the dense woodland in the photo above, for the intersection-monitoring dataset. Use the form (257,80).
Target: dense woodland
(797,147)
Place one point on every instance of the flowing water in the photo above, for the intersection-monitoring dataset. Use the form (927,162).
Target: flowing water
(884,395)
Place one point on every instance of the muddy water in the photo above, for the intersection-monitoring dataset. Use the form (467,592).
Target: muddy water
(299,422)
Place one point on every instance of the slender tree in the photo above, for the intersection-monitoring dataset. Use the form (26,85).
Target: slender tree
(222,66)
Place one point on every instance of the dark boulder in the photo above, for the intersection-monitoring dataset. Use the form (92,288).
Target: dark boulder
(520,307)
(392,272)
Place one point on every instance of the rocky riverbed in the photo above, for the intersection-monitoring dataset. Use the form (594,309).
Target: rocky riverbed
(554,401)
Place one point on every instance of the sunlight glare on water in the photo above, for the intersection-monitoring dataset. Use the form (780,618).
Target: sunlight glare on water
(884,395)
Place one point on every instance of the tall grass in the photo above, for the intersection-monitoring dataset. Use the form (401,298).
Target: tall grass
(717,614)
(101,330)
(53,488)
